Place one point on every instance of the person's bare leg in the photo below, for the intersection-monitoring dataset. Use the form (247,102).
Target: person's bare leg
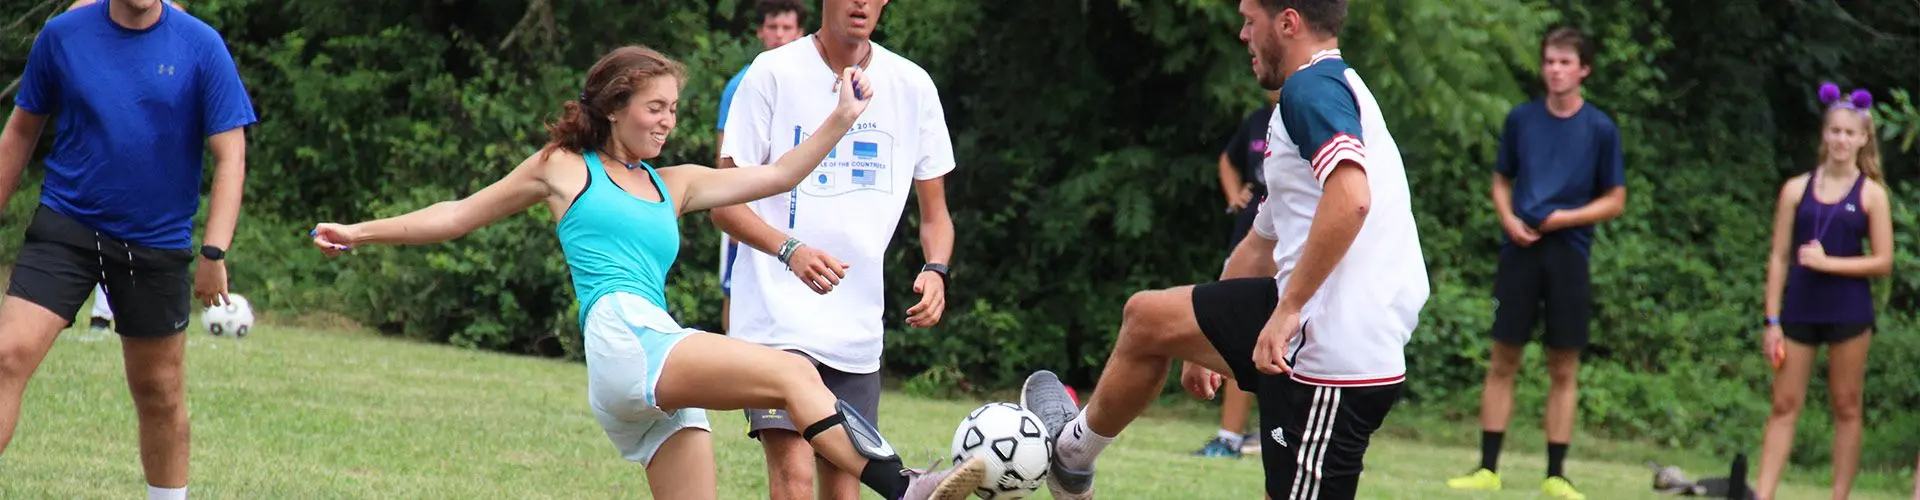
(1232,436)
(1846,377)
(683,467)
(1496,396)
(790,466)
(157,378)
(1234,405)
(1156,328)
(720,373)
(835,483)
(1563,396)
(27,331)
(1789,394)
(1496,410)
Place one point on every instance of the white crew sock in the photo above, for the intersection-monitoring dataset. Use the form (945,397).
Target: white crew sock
(1079,445)
(1230,438)
(158,493)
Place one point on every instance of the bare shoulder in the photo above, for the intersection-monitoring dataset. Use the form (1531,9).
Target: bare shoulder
(1791,190)
(1873,193)
(539,162)
(684,169)
(680,177)
(548,169)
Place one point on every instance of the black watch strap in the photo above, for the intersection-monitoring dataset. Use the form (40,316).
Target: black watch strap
(940,269)
(212,252)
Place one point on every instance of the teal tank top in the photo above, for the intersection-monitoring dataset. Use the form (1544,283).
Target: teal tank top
(617,242)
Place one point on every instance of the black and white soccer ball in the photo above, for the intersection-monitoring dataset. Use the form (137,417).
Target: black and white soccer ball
(235,318)
(1015,445)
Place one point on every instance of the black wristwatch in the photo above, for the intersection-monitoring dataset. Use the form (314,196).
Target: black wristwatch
(212,252)
(940,269)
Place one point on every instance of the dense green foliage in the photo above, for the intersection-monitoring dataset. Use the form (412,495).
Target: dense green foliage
(1086,133)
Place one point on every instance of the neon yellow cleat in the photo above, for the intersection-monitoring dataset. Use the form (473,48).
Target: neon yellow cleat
(1559,487)
(1479,480)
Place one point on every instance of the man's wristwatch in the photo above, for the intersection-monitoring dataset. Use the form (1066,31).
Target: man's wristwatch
(1773,321)
(940,269)
(211,252)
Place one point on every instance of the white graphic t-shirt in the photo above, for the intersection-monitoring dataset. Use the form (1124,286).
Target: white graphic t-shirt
(850,205)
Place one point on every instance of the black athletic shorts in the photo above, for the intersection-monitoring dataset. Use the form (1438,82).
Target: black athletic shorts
(861,390)
(149,289)
(1315,437)
(1550,275)
(1815,334)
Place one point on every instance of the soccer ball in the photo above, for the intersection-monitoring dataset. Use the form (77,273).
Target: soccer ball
(235,318)
(1015,445)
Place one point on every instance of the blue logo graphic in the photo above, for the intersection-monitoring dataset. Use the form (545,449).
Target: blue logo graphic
(863,177)
(866,150)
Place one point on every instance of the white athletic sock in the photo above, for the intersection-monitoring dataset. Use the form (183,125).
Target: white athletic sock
(1079,445)
(1230,438)
(158,493)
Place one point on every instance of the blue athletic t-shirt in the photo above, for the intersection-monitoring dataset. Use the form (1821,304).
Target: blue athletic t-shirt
(726,96)
(1556,163)
(133,110)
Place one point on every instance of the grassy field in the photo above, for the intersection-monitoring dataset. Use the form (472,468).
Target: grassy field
(306,413)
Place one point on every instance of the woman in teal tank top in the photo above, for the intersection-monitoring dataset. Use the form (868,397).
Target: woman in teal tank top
(650,380)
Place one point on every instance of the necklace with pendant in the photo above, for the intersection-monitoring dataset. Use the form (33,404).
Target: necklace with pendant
(821,45)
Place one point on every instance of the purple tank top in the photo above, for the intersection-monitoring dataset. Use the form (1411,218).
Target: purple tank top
(1816,297)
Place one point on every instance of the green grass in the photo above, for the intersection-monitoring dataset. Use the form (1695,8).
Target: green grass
(304,413)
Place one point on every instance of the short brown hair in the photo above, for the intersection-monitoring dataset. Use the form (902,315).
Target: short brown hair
(620,74)
(770,8)
(1325,16)
(1571,39)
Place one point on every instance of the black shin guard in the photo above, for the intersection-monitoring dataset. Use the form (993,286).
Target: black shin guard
(883,472)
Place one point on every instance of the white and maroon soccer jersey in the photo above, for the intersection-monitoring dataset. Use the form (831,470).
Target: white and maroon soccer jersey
(1356,326)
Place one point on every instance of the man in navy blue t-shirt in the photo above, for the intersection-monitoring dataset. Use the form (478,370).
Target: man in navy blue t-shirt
(1559,174)
(139,93)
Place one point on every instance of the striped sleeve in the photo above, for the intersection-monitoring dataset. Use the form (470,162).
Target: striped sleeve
(1322,117)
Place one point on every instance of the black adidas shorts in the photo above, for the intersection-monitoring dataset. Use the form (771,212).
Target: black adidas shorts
(61,260)
(1314,437)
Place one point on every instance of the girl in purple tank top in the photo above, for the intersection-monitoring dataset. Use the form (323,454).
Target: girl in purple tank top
(1832,232)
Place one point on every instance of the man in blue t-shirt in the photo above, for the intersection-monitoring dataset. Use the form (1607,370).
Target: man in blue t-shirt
(140,93)
(1559,174)
(779,25)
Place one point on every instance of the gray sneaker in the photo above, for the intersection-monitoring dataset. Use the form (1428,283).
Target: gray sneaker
(1048,399)
(952,484)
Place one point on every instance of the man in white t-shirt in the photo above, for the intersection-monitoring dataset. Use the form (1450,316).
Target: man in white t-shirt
(1315,310)
(832,232)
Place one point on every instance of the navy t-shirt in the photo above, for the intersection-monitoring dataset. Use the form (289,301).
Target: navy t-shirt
(133,110)
(1558,163)
(1247,150)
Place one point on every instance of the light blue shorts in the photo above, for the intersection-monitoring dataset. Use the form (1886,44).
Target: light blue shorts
(627,341)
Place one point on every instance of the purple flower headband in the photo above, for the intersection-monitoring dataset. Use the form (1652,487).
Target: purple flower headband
(1860,99)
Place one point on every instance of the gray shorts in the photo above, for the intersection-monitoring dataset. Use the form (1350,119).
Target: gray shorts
(862,390)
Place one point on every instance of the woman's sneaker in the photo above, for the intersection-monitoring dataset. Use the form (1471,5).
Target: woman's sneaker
(952,484)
